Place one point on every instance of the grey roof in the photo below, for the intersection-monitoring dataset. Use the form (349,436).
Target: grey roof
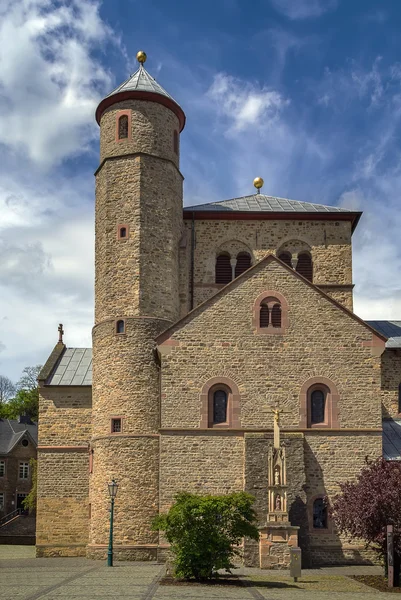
(12,431)
(74,368)
(141,81)
(392,439)
(391,329)
(262,203)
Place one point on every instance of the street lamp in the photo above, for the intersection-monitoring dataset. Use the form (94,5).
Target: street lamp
(113,486)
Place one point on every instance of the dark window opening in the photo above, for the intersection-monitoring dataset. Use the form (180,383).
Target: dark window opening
(276,315)
(116,425)
(123,232)
(286,258)
(223,269)
(264,316)
(219,407)
(318,405)
(319,514)
(123,127)
(304,266)
(176,142)
(120,326)
(25,443)
(243,263)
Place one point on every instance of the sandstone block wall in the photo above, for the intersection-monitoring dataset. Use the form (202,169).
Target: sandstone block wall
(329,243)
(390,381)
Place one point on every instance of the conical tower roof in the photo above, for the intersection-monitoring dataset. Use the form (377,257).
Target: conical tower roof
(141,86)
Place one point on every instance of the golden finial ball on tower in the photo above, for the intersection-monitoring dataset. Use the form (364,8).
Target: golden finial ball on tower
(258,182)
(141,56)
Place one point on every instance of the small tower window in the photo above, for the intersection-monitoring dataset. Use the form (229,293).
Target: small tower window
(220,407)
(319,514)
(176,142)
(223,269)
(123,127)
(286,258)
(317,406)
(116,425)
(243,263)
(122,231)
(305,266)
(264,315)
(120,326)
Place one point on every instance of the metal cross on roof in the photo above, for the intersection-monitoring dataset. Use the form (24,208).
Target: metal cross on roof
(60,333)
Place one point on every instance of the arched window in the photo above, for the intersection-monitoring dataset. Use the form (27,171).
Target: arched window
(120,326)
(286,258)
(304,266)
(317,406)
(123,127)
(243,263)
(399,398)
(223,269)
(276,315)
(176,141)
(220,401)
(264,315)
(319,514)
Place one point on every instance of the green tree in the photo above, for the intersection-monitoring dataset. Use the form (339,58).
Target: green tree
(205,531)
(30,501)
(25,402)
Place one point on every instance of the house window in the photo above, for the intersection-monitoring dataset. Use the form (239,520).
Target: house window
(120,326)
(286,258)
(2,468)
(220,401)
(319,514)
(223,269)
(243,263)
(2,500)
(304,265)
(176,142)
(123,127)
(23,470)
(116,425)
(317,406)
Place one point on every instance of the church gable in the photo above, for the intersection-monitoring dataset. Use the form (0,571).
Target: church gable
(264,337)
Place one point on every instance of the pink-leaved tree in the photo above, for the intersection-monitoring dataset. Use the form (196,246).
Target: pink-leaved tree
(365,507)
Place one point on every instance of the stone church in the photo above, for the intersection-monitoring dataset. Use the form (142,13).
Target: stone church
(226,357)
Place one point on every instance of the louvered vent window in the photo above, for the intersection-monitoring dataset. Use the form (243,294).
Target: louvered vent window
(264,316)
(276,315)
(304,266)
(223,269)
(123,127)
(243,263)
(286,258)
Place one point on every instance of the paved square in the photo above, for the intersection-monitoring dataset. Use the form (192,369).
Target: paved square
(24,577)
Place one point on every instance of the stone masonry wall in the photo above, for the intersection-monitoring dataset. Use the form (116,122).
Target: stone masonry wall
(390,380)
(321,340)
(329,243)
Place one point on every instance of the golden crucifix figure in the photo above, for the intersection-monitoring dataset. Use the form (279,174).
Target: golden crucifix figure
(276,427)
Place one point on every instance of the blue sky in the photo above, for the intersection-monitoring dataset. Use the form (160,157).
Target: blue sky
(305,93)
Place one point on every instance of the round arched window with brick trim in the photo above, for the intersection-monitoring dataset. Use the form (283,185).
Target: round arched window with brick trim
(220,405)
(320,514)
(223,269)
(244,262)
(305,265)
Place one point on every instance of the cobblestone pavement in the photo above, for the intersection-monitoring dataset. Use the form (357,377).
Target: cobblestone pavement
(26,578)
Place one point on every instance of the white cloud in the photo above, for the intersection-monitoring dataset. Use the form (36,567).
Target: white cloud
(304,9)
(49,80)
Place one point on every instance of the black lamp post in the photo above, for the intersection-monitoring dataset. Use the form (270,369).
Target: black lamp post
(113,486)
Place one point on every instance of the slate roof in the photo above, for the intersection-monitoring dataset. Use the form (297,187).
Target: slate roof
(11,432)
(391,329)
(74,368)
(141,81)
(392,439)
(262,203)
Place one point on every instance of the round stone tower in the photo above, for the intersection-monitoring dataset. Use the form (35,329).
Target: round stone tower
(138,228)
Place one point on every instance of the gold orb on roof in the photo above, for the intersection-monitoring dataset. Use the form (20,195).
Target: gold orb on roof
(141,56)
(258,182)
